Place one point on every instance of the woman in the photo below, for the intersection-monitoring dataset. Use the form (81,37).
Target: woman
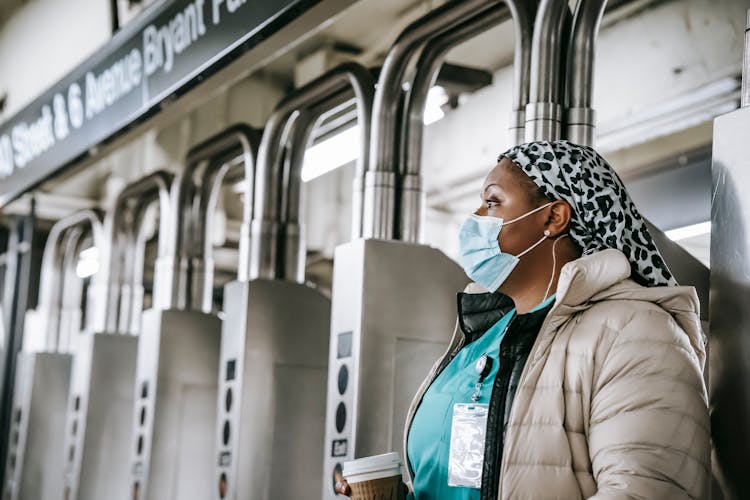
(582,377)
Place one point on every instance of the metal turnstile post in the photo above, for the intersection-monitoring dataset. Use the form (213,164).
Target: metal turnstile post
(394,307)
(394,299)
(36,454)
(274,352)
(98,432)
(172,454)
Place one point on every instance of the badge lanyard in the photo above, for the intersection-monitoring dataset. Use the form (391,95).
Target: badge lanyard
(468,434)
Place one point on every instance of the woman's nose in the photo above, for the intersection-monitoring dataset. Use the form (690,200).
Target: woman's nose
(482,210)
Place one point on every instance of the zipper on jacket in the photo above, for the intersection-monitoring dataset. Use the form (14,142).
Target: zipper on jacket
(491,468)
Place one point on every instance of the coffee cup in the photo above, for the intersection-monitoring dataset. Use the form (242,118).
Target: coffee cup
(375,478)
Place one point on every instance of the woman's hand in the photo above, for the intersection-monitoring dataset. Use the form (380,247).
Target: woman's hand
(343,488)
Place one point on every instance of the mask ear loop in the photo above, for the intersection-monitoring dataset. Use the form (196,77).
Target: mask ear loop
(554,262)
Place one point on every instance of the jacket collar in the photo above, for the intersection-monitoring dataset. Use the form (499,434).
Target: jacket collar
(581,279)
(479,310)
(592,278)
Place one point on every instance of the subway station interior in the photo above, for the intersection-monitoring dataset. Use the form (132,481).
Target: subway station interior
(229,249)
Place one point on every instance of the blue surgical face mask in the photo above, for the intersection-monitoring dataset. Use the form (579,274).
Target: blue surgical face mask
(480,254)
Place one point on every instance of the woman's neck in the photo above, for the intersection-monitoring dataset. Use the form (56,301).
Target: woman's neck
(534,279)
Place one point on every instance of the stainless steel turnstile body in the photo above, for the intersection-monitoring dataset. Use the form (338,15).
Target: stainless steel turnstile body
(175,399)
(100,417)
(271,405)
(34,468)
(98,429)
(393,313)
(730,295)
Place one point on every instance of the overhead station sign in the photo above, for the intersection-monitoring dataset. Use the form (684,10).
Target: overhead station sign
(150,59)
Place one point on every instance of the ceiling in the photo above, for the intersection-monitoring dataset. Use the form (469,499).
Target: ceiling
(7,7)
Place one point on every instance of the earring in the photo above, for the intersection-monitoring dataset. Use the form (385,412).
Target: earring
(547,233)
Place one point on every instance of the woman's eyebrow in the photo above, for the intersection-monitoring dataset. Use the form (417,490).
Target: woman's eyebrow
(488,186)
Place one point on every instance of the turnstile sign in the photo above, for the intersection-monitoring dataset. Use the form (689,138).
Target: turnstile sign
(339,447)
(160,53)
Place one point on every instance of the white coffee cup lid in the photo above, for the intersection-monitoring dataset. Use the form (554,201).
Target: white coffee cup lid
(378,466)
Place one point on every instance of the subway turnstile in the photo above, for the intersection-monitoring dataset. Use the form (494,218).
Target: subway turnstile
(271,405)
(394,299)
(172,446)
(35,452)
(393,313)
(175,395)
(274,353)
(36,455)
(99,423)
(174,419)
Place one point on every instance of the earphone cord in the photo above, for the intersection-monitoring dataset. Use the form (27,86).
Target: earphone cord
(554,266)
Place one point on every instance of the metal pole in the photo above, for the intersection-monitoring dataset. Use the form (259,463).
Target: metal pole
(522,13)
(544,111)
(125,225)
(580,116)
(20,289)
(745,101)
(273,190)
(70,292)
(51,289)
(429,63)
(230,172)
(190,253)
(381,177)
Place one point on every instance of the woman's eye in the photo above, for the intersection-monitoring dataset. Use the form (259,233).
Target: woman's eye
(490,203)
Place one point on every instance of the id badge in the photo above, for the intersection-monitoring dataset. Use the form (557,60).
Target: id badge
(468,432)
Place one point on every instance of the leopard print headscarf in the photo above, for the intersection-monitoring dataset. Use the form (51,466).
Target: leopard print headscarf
(603,216)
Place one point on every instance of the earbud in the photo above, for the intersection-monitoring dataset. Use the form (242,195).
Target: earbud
(547,232)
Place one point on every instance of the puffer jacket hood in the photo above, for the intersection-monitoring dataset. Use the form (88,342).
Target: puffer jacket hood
(605,276)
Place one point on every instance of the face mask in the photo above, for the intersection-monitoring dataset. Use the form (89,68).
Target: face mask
(480,254)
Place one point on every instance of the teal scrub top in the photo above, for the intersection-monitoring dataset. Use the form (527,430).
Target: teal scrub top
(428,445)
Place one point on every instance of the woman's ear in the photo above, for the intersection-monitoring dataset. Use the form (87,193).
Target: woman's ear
(559,218)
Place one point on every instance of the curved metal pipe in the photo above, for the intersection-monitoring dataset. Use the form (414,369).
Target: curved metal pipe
(271,189)
(381,177)
(580,116)
(292,248)
(71,291)
(190,254)
(544,111)
(51,263)
(123,283)
(230,172)
(428,66)
(52,269)
(522,13)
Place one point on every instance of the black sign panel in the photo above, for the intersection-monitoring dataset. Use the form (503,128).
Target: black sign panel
(152,58)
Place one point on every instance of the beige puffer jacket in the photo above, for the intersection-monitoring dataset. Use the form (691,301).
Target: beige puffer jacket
(611,403)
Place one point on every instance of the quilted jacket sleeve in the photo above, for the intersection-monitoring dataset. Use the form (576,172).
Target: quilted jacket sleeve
(649,423)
